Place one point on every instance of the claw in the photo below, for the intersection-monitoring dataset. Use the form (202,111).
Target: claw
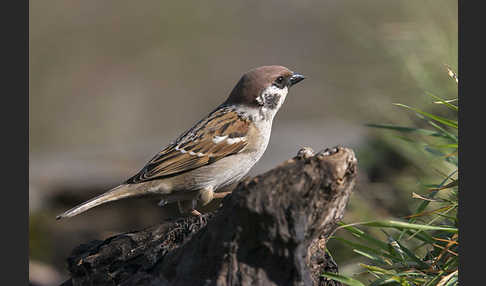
(199,215)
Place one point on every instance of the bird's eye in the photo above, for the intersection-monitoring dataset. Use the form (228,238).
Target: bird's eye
(279,82)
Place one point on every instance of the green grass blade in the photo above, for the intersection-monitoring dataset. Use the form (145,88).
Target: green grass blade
(433,220)
(406,225)
(343,279)
(361,234)
(445,121)
(422,236)
(410,254)
(407,129)
(452,184)
(445,146)
(393,280)
(434,280)
(443,101)
(376,269)
(444,132)
(367,249)
(424,204)
(386,281)
(372,257)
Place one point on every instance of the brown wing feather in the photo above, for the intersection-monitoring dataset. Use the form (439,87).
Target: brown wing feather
(196,147)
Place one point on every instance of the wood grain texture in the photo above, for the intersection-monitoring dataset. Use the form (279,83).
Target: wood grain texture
(272,230)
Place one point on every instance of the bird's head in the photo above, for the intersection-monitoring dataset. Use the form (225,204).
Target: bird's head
(264,88)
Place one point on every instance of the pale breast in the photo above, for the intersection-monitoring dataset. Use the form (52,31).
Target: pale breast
(233,168)
(230,169)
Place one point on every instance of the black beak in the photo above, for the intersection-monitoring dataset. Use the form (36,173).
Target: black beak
(295,78)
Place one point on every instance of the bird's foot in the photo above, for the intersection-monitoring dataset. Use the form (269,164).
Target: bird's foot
(189,207)
(199,215)
(195,213)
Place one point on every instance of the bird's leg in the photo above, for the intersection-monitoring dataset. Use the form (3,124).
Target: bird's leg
(220,195)
(206,195)
(185,207)
(188,207)
(193,208)
(195,212)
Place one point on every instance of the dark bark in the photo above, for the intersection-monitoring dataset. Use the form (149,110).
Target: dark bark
(271,230)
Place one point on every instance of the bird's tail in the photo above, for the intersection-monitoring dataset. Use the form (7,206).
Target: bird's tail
(117,193)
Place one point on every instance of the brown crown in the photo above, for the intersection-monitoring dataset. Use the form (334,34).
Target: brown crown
(253,82)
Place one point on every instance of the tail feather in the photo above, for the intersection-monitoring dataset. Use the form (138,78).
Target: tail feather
(120,192)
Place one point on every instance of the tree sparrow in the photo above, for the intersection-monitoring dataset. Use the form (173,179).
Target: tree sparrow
(216,152)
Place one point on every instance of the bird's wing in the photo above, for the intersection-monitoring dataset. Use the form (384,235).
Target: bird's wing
(221,134)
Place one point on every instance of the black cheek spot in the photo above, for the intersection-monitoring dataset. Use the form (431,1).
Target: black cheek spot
(271,101)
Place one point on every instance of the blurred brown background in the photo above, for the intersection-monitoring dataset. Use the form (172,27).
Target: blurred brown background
(112,82)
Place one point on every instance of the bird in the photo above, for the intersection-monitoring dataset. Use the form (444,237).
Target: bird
(218,151)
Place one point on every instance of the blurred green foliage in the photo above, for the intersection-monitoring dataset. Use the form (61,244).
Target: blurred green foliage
(424,249)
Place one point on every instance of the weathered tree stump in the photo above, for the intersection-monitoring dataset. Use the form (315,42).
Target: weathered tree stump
(271,230)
